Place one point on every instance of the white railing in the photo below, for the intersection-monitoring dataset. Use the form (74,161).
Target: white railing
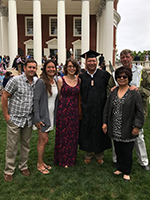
(143,63)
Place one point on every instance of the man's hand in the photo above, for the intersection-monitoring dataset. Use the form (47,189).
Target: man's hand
(5,97)
(112,89)
(133,87)
(104,127)
(7,117)
(135,131)
(38,125)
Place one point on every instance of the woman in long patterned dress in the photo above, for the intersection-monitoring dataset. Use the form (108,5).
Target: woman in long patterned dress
(67,120)
(45,101)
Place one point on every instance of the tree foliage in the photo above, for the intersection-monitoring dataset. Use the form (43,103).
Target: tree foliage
(139,53)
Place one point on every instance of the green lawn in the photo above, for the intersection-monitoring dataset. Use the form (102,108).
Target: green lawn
(82,182)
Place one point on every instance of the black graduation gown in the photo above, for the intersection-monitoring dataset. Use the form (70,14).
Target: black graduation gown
(91,136)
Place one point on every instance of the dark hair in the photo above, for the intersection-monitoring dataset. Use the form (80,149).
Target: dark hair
(30,61)
(74,62)
(125,70)
(8,73)
(45,78)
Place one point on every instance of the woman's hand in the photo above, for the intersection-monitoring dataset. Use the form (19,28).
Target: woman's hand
(38,125)
(104,127)
(60,96)
(135,131)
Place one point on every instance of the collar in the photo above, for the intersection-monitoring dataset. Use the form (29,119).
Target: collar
(134,68)
(91,74)
(26,79)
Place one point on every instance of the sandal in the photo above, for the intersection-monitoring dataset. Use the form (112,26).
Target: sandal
(100,161)
(87,161)
(43,171)
(117,172)
(126,177)
(47,166)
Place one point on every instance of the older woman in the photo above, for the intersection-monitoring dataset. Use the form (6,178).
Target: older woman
(123,117)
(67,122)
(44,108)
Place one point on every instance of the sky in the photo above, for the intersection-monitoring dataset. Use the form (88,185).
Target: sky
(133,31)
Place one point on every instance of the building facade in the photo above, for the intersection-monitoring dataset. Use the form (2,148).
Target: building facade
(47,27)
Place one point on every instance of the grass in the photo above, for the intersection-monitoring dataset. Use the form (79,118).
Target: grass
(81,182)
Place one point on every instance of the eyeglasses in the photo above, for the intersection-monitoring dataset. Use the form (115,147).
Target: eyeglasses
(71,66)
(124,77)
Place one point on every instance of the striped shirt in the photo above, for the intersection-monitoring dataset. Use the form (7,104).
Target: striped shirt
(20,106)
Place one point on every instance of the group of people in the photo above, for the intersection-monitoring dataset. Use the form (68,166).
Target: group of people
(4,61)
(50,57)
(81,111)
(4,78)
(19,62)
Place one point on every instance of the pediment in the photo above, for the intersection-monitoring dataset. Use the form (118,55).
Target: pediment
(29,42)
(76,42)
(52,42)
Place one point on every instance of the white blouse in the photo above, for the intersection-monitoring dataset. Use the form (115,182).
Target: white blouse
(51,105)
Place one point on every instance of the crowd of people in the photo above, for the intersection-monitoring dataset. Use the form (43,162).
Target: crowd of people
(5,74)
(4,61)
(89,108)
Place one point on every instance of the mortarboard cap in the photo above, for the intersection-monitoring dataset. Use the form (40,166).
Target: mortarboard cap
(90,54)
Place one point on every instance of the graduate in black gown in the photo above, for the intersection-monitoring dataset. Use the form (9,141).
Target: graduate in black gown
(93,96)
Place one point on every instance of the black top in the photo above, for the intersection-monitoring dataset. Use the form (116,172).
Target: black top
(132,114)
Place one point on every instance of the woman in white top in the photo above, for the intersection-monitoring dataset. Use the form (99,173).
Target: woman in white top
(45,101)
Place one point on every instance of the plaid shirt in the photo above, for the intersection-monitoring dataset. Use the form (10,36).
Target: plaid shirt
(20,106)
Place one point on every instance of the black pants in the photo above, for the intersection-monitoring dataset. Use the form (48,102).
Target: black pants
(124,156)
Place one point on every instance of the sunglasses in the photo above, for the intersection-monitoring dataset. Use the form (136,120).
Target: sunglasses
(124,77)
(71,66)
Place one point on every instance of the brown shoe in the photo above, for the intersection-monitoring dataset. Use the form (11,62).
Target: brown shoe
(8,177)
(100,161)
(87,161)
(25,172)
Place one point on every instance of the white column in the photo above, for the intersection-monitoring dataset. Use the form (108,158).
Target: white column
(12,30)
(109,31)
(3,30)
(37,35)
(4,35)
(1,36)
(85,44)
(85,25)
(103,29)
(61,24)
(101,35)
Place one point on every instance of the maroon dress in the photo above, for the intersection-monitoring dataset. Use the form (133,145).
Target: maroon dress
(67,126)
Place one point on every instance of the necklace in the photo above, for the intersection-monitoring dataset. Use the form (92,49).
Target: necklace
(52,81)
